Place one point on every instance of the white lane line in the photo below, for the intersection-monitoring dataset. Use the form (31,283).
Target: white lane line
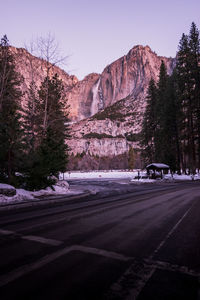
(131,283)
(6,232)
(133,280)
(21,271)
(137,274)
(171,232)
(166,266)
(42,240)
(34,238)
(24,270)
(101,252)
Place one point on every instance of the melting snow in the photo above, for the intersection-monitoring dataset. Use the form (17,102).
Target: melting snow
(62,187)
(100,174)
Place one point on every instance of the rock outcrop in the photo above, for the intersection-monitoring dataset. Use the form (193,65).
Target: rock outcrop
(106,109)
(129,75)
(118,104)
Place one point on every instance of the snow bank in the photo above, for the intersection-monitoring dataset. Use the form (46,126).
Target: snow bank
(21,195)
(147,180)
(62,187)
(7,190)
(182,177)
(6,186)
(100,174)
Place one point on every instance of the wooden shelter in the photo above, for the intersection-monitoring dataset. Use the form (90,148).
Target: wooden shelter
(156,170)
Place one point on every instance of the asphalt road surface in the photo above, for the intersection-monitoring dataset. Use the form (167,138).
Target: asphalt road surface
(126,242)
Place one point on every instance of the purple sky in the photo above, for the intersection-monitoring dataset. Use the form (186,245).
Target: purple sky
(96,32)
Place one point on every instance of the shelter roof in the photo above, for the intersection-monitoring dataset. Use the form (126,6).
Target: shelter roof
(157,166)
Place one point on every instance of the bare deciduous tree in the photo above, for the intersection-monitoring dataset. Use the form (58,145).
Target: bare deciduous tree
(48,50)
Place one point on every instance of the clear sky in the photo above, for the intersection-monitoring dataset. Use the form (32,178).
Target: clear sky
(94,33)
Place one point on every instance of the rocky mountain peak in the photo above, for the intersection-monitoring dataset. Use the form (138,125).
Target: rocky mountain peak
(107,108)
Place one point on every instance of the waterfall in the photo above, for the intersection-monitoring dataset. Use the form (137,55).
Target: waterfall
(95,91)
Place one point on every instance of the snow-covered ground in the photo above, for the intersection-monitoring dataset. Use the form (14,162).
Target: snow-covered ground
(62,186)
(99,174)
(182,177)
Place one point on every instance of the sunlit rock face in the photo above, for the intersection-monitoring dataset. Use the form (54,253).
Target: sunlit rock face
(130,75)
(118,104)
(34,68)
(106,109)
(80,97)
(79,94)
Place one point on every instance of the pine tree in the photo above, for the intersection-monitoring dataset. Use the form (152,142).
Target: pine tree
(186,72)
(50,156)
(170,126)
(10,126)
(30,120)
(159,137)
(149,125)
(194,46)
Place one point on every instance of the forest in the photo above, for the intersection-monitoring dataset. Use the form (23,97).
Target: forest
(171,125)
(33,138)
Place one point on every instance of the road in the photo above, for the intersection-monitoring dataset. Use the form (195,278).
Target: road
(126,242)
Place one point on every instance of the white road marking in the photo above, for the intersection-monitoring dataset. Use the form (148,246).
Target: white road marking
(6,232)
(131,283)
(102,252)
(23,270)
(34,238)
(42,240)
(171,232)
(162,265)
(137,274)
(133,280)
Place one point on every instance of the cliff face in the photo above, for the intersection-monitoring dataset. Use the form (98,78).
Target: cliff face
(78,93)
(130,75)
(107,108)
(80,97)
(118,104)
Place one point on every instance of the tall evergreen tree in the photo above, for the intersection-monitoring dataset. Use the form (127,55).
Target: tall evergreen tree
(194,46)
(170,126)
(176,135)
(159,138)
(30,120)
(149,125)
(10,127)
(187,75)
(50,156)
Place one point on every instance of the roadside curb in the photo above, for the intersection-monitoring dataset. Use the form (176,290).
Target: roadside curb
(41,201)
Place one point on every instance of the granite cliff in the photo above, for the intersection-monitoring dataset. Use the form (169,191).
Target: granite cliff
(106,109)
(118,104)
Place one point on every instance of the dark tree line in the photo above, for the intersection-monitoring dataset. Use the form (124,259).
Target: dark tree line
(171,125)
(32,139)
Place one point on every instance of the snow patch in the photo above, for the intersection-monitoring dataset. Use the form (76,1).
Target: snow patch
(147,180)
(21,195)
(62,187)
(100,174)
(6,186)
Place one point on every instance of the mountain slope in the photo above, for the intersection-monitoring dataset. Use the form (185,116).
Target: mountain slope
(107,108)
